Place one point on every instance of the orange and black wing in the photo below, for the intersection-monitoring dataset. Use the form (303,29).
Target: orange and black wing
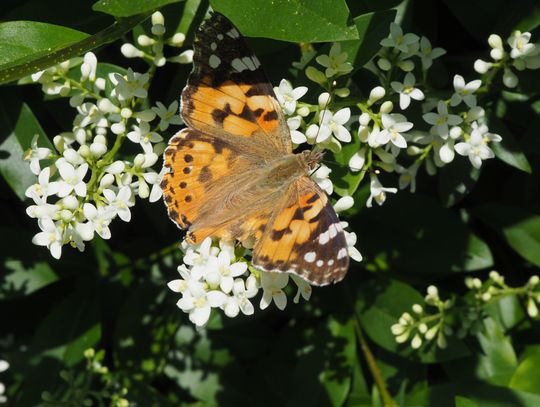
(304,237)
(228,95)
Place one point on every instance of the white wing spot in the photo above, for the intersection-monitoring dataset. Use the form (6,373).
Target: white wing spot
(342,253)
(249,63)
(214,61)
(213,46)
(238,65)
(233,33)
(330,262)
(310,257)
(332,230)
(319,263)
(324,238)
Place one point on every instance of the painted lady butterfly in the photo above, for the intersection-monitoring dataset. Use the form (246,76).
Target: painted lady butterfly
(233,174)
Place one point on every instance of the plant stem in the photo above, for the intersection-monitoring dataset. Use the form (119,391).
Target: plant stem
(387,399)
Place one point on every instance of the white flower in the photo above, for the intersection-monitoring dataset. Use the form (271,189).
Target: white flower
(198,302)
(88,67)
(407,91)
(239,301)
(393,126)
(335,62)
(142,135)
(464,91)
(321,177)
(476,147)
(72,179)
(304,289)
(408,177)
(43,188)
(35,154)
(519,42)
(132,85)
(272,285)
(51,236)
(378,192)
(41,209)
(168,115)
(351,238)
(119,203)
(397,40)
(344,203)
(444,149)
(294,123)
(333,123)
(441,120)
(220,272)
(197,254)
(89,113)
(287,95)
(154,179)
(99,219)
(428,54)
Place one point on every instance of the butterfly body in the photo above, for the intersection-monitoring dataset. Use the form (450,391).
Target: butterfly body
(233,174)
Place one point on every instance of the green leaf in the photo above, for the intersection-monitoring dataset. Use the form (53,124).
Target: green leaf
(18,127)
(372,28)
(21,278)
(345,181)
(526,377)
(465,402)
(405,223)
(24,41)
(290,20)
(127,8)
(456,181)
(379,305)
(53,55)
(508,150)
(519,227)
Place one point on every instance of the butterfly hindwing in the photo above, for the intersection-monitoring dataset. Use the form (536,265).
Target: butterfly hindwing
(228,94)
(304,237)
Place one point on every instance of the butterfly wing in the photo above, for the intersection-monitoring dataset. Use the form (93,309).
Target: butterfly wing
(229,96)
(304,237)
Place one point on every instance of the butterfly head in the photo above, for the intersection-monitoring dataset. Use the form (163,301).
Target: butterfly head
(311,158)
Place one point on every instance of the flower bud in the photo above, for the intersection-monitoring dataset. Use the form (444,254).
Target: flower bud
(303,111)
(363,133)
(364,119)
(149,159)
(422,328)
(406,65)
(116,167)
(158,30)
(70,202)
(177,40)
(130,51)
(497,53)
(397,329)
(106,181)
(510,79)
(66,215)
(311,132)
(416,342)
(157,18)
(100,139)
(98,149)
(386,107)
(106,106)
(532,309)
(414,150)
(185,57)
(80,135)
(138,161)
(324,100)
(433,291)
(417,308)
(59,143)
(145,40)
(126,112)
(376,93)
(357,161)
(118,128)
(431,332)
(72,156)
(495,41)
(343,92)
(533,281)
(486,297)
(160,60)
(144,190)
(100,83)
(384,64)
(84,151)
(344,203)
(455,132)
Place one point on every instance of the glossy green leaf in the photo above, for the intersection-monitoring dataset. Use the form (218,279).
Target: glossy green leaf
(519,227)
(18,125)
(372,28)
(23,41)
(127,8)
(456,181)
(526,376)
(508,150)
(407,222)
(290,20)
(381,303)
(345,181)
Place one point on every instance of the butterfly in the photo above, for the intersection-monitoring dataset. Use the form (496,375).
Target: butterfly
(233,174)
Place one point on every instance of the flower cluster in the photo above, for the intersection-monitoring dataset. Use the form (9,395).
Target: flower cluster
(461,316)
(216,275)
(84,185)
(522,55)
